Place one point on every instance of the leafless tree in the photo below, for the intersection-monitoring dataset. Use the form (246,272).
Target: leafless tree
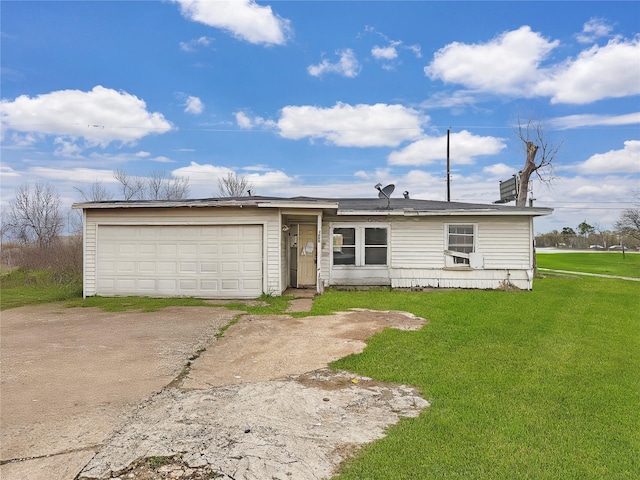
(176,188)
(540,154)
(157,186)
(34,216)
(233,185)
(162,187)
(97,192)
(629,221)
(133,188)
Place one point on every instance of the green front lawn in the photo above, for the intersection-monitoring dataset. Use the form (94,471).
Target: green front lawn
(608,263)
(522,385)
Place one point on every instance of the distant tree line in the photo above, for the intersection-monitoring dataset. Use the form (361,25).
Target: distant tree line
(626,232)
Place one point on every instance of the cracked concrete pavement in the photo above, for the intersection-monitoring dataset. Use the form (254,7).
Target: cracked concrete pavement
(90,391)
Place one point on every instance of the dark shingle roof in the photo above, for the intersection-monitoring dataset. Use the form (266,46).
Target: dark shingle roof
(354,206)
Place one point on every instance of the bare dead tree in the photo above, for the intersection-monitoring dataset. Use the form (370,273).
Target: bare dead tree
(163,187)
(97,192)
(159,185)
(132,188)
(540,154)
(629,221)
(176,188)
(34,215)
(233,185)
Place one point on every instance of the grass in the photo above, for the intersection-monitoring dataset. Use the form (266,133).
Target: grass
(608,263)
(20,287)
(528,385)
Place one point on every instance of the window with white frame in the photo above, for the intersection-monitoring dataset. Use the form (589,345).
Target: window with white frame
(461,239)
(360,245)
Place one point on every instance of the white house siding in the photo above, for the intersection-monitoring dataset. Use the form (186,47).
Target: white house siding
(417,243)
(89,258)
(269,218)
(418,259)
(325,258)
(417,256)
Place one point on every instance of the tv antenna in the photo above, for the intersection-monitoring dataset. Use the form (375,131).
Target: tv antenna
(385,192)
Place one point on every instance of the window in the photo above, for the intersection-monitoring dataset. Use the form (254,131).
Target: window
(359,246)
(344,246)
(460,238)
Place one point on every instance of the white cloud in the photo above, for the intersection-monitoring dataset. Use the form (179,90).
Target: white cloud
(392,50)
(203,179)
(99,116)
(593,29)
(66,148)
(499,170)
(79,175)
(590,120)
(384,53)
(192,45)
(506,64)
(244,19)
(600,72)
(243,120)
(194,105)
(457,99)
(626,160)
(352,126)
(347,66)
(246,122)
(511,64)
(6,171)
(464,147)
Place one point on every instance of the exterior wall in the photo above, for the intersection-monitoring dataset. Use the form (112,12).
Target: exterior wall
(503,248)
(269,218)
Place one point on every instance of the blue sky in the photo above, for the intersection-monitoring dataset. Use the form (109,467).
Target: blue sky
(310,98)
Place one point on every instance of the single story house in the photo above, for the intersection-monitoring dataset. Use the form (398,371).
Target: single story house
(243,247)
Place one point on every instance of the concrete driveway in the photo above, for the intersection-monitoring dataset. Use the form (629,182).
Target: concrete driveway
(69,375)
(86,393)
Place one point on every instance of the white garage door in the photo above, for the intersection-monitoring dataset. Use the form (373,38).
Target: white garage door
(201,261)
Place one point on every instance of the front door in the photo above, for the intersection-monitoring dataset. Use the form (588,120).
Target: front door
(307,254)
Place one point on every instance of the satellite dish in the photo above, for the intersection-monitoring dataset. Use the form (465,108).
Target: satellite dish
(386,191)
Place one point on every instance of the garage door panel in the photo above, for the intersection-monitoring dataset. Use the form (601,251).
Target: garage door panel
(251,267)
(146,249)
(230,285)
(125,284)
(147,267)
(125,267)
(168,249)
(230,267)
(251,248)
(147,285)
(230,249)
(188,267)
(223,261)
(210,285)
(209,249)
(189,284)
(126,248)
(211,268)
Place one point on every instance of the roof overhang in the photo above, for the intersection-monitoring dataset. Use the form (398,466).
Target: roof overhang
(284,203)
(527,212)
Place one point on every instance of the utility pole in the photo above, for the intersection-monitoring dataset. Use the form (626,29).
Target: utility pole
(448,170)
